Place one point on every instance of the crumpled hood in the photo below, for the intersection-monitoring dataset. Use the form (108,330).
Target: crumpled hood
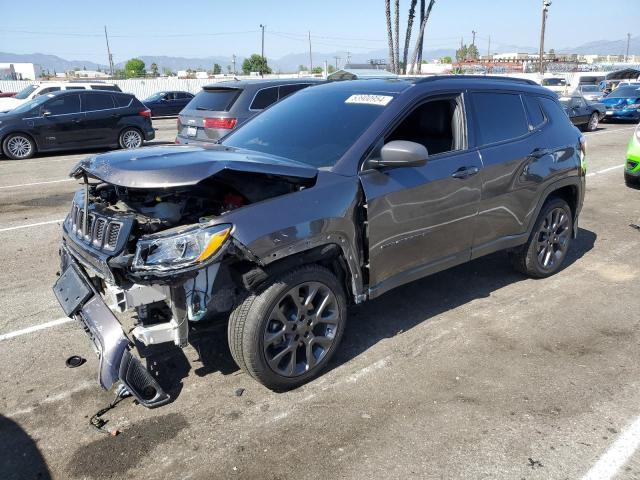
(177,166)
(616,102)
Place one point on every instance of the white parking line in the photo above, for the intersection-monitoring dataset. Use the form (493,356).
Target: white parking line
(37,183)
(617,455)
(591,134)
(35,328)
(605,170)
(18,227)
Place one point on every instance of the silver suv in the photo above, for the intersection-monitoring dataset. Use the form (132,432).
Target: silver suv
(221,107)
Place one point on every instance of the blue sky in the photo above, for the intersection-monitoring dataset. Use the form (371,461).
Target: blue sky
(73,29)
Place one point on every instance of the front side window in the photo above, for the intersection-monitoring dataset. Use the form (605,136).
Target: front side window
(63,105)
(264,98)
(97,101)
(437,124)
(500,116)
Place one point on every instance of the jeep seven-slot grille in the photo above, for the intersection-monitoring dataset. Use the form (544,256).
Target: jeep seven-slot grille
(102,232)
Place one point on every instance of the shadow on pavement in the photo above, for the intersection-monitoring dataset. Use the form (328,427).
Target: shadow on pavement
(19,455)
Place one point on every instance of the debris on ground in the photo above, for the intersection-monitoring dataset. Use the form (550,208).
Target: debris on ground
(239,392)
(535,463)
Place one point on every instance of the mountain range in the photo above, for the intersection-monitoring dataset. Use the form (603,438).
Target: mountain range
(290,62)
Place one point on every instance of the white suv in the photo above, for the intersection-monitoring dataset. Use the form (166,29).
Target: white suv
(36,89)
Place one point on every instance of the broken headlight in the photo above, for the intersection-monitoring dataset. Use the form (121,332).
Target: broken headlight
(180,250)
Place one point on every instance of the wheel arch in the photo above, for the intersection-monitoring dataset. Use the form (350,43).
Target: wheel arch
(570,190)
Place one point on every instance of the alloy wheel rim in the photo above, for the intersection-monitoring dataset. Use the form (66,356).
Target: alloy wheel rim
(19,147)
(131,139)
(301,329)
(593,121)
(553,238)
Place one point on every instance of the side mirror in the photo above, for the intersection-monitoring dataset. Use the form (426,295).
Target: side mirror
(46,113)
(401,153)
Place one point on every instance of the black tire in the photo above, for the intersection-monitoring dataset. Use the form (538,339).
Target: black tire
(130,138)
(548,244)
(18,146)
(592,124)
(257,336)
(631,180)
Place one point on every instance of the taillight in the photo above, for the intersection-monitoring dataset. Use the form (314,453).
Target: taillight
(145,113)
(226,123)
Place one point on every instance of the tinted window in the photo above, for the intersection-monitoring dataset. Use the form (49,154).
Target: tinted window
(264,98)
(184,95)
(315,126)
(64,104)
(169,96)
(25,92)
(97,101)
(289,89)
(216,100)
(553,111)
(622,92)
(122,100)
(75,88)
(536,117)
(554,82)
(111,88)
(48,90)
(500,116)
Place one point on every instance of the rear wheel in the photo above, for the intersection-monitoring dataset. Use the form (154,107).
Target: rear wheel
(130,138)
(18,146)
(549,242)
(592,124)
(285,334)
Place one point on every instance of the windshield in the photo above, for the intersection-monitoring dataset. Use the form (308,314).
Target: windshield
(154,97)
(624,92)
(314,126)
(590,89)
(554,82)
(25,92)
(25,107)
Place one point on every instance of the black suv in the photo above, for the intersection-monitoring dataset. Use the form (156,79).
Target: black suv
(331,197)
(75,119)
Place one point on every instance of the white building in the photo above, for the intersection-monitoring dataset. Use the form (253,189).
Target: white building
(23,71)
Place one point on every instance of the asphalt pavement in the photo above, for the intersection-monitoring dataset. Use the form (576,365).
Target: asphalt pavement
(475,372)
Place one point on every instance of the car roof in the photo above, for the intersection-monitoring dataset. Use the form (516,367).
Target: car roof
(261,83)
(60,93)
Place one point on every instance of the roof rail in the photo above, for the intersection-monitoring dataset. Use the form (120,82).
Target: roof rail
(88,80)
(477,77)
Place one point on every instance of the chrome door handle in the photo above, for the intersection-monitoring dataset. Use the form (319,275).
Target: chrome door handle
(464,172)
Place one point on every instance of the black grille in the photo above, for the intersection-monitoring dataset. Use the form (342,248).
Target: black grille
(102,232)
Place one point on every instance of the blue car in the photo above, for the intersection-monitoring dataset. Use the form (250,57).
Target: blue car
(623,103)
(167,104)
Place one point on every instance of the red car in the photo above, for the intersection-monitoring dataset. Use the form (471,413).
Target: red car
(7,94)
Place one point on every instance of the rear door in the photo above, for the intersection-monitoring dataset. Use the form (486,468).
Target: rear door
(61,122)
(422,219)
(508,141)
(101,118)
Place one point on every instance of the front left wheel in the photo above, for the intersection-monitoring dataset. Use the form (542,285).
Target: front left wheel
(18,146)
(130,138)
(592,124)
(286,333)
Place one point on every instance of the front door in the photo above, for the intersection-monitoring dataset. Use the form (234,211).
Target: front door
(60,122)
(422,219)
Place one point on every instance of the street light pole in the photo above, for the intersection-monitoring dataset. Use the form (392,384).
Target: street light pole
(262,50)
(545,8)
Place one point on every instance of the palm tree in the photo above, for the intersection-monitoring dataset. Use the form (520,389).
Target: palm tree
(396,40)
(387,11)
(407,38)
(423,24)
(423,6)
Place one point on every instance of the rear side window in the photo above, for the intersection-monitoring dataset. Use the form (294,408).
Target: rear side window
(110,88)
(289,89)
(553,111)
(122,100)
(216,100)
(264,98)
(47,90)
(75,88)
(63,105)
(97,101)
(536,117)
(182,95)
(500,116)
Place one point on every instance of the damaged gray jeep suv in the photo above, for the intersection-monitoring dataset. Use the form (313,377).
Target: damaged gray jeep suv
(329,198)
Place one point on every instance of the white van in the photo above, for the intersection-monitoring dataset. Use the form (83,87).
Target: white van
(40,88)
(585,78)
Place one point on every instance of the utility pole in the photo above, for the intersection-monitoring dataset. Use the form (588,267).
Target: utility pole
(545,9)
(489,50)
(310,54)
(626,57)
(106,37)
(473,33)
(233,61)
(348,57)
(337,58)
(262,50)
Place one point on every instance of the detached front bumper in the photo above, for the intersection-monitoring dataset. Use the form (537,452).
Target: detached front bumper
(80,300)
